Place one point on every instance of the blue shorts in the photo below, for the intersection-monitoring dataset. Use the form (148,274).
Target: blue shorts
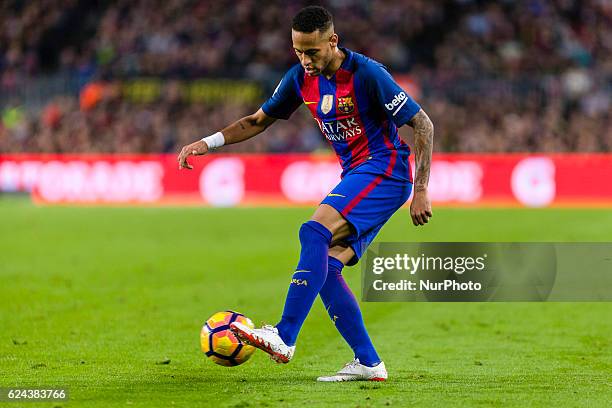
(367,198)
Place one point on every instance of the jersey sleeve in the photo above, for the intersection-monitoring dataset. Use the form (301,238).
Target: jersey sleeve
(393,100)
(285,99)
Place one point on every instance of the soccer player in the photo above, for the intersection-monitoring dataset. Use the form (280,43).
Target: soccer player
(358,107)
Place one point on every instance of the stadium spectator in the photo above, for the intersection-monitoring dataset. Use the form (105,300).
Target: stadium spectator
(496,75)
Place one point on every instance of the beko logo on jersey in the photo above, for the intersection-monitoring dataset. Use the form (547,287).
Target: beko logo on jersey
(338,130)
(398,101)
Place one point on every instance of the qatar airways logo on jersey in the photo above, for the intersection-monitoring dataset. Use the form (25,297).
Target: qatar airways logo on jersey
(338,130)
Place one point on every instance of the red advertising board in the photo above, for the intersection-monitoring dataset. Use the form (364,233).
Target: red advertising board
(534,180)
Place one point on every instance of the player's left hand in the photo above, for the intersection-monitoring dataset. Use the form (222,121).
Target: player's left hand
(194,149)
(420,208)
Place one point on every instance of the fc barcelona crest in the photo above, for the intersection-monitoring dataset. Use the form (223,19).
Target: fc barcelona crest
(346,105)
(327,103)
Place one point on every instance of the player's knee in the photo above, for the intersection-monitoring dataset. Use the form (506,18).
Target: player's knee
(314,232)
(332,220)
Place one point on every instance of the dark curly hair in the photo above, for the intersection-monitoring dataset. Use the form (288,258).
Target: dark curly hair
(311,19)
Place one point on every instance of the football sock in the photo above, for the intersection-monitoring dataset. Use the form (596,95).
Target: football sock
(307,280)
(344,312)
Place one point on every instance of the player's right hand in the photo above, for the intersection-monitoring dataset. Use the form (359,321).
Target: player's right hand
(420,208)
(194,149)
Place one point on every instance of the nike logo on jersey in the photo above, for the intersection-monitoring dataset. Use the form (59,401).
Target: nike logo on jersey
(335,195)
(301,270)
(310,103)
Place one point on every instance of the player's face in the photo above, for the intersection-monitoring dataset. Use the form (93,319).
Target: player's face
(315,50)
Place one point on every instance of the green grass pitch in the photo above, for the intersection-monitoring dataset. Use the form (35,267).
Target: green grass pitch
(95,299)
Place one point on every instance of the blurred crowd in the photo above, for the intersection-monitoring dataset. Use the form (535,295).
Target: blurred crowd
(509,75)
(118,126)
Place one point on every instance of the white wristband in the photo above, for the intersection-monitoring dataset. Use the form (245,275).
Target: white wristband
(214,141)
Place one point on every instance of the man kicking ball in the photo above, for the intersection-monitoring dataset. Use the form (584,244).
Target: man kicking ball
(358,107)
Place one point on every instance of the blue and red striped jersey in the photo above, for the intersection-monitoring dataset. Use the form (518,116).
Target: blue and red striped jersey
(358,110)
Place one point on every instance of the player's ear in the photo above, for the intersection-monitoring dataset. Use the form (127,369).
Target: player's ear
(333,40)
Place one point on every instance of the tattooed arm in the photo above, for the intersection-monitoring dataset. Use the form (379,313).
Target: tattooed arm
(420,208)
(238,131)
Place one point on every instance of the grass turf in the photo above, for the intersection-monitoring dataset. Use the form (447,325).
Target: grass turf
(95,299)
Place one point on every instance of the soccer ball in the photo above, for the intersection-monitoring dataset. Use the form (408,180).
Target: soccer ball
(220,344)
